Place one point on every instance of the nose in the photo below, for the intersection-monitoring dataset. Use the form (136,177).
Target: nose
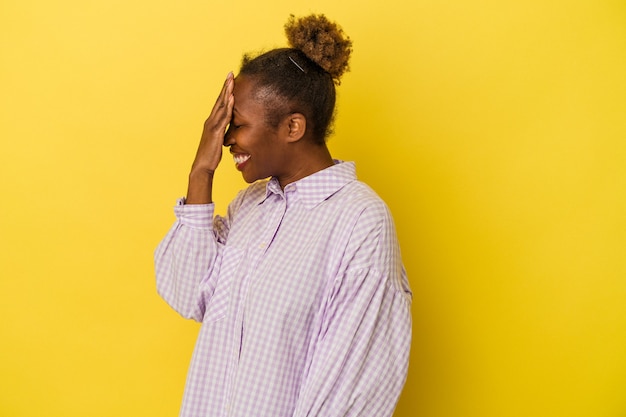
(228,137)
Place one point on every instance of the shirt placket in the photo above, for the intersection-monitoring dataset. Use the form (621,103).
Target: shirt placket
(274,209)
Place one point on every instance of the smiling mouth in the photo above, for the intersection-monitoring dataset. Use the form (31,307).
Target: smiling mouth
(240,158)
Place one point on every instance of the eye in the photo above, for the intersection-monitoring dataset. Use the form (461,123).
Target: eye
(234,125)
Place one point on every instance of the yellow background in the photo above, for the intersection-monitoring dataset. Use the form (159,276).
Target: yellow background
(495,131)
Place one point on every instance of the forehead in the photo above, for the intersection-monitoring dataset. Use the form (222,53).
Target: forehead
(243,85)
(248,97)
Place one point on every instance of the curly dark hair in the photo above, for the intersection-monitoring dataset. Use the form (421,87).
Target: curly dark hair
(302,78)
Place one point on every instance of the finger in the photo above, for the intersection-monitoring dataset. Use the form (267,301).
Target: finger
(222,99)
(230,105)
(226,115)
(227,88)
(229,100)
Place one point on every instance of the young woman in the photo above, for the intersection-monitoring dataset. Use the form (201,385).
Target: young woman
(300,288)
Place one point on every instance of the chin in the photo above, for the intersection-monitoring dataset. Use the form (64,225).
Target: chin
(250,178)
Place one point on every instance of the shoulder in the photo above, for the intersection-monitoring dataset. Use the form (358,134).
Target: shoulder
(360,201)
(364,219)
(371,246)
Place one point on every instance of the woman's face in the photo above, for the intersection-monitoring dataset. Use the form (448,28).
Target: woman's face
(257,148)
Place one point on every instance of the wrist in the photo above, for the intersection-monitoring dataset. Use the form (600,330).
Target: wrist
(199,173)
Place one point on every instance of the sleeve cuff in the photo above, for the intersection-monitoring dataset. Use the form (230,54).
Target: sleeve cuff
(194,215)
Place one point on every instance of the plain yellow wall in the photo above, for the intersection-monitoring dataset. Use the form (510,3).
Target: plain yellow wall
(495,131)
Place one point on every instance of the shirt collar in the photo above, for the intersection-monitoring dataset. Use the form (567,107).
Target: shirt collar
(317,187)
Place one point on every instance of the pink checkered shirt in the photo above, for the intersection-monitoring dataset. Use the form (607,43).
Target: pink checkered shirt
(303,298)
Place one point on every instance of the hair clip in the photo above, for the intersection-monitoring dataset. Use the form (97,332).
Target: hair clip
(296,64)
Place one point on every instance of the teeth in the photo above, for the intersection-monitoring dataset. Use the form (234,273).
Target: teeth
(240,159)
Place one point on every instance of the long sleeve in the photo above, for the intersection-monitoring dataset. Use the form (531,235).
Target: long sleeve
(187,259)
(304,302)
(360,358)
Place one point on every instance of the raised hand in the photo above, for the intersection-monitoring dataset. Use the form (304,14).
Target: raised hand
(209,151)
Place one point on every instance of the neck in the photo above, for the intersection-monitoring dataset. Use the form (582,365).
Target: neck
(307,160)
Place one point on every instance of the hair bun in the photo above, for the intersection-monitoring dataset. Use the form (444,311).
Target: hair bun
(322,41)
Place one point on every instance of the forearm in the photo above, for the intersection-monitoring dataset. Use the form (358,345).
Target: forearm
(184,260)
(360,362)
(200,187)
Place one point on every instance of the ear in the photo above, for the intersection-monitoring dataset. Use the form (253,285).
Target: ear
(296,125)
